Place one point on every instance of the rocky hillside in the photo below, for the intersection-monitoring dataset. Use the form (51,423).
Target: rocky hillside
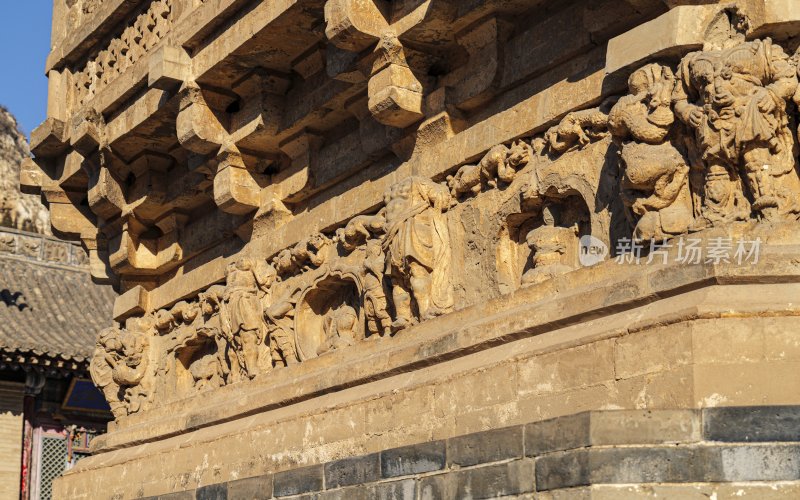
(17,210)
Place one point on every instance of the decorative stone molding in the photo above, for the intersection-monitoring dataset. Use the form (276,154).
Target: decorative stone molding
(141,36)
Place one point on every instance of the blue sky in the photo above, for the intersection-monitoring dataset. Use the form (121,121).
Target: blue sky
(24,45)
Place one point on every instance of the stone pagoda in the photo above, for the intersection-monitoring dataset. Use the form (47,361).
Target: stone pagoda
(434,249)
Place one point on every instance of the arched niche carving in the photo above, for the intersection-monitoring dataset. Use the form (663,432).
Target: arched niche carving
(198,366)
(592,174)
(329,314)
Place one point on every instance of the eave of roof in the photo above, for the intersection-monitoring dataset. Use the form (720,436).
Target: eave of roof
(50,311)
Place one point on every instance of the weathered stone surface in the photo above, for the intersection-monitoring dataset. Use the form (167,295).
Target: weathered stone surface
(759,424)
(212,492)
(394,490)
(294,482)
(624,465)
(558,434)
(485,447)
(756,462)
(255,488)
(352,471)
(644,427)
(691,464)
(181,495)
(688,491)
(512,478)
(415,459)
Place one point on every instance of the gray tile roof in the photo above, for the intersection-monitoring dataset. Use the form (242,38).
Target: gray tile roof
(50,311)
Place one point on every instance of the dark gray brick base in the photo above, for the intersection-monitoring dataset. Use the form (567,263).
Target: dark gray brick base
(592,448)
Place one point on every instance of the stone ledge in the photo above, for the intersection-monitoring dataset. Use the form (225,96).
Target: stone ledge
(751,425)
(598,428)
(675,464)
(670,35)
(585,463)
(683,29)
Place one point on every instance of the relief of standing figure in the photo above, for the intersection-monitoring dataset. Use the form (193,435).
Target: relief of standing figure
(655,184)
(379,322)
(242,314)
(282,339)
(733,96)
(417,248)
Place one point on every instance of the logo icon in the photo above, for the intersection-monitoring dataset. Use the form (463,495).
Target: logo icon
(592,251)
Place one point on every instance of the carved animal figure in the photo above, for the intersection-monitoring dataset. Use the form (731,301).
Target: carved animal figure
(106,356)
(577,129)
(467,180)
(499,163)
(360,228)
(311,250)
(119,366)
(284,263)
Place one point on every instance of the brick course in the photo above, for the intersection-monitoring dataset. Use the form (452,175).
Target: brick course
(668,448)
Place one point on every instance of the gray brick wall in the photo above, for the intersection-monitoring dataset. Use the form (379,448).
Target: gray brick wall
(716,445)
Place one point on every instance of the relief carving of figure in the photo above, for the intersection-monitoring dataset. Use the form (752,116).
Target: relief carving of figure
(210,326)
(186,337)
(655,175)
(733,96)
(241,312)
(340,326)
(554,244)
(282,339)
(206,372)
(550,246)
(417,248)
(376,305)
